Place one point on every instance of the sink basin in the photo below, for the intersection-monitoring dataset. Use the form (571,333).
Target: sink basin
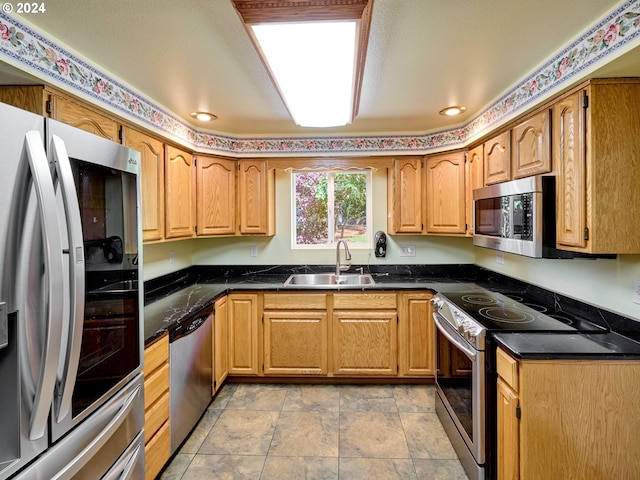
(329,280)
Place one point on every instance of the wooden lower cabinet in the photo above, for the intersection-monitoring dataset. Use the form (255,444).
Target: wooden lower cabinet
(567,418)
(220,340)
(243,333)
(156,406)
(365,334)
(416,334)
(295,334)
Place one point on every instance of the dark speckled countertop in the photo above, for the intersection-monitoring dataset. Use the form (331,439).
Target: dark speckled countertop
(175,298)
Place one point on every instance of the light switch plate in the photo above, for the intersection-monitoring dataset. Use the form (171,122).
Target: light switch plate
(636,291)
(253,251)
(500,258)
(407,250)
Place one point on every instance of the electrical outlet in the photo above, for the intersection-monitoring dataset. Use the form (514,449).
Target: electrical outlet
(172,256)
(253,251)
(636,291)
(500,258)
(407,250)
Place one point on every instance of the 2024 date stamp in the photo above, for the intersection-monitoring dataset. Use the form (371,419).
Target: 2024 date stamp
(24,7)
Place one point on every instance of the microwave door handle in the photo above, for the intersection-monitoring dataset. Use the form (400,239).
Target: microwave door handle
(441,324)
(46,198)
(76,288)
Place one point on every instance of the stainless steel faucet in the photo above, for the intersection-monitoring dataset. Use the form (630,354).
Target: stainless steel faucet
(347,257)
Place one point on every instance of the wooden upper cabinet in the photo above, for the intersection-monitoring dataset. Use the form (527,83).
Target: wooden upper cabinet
(595,133)
(256,197)
(532,146)
(497,159)
(445,194)
(215,196)
(405,199)
(179,193)
(569,156)
(79,116)
(474,178)
(152,181)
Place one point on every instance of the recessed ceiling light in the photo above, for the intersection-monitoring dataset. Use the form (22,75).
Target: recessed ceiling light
(203,116)
(451,111)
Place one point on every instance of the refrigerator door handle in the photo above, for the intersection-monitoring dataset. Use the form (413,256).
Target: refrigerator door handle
(45,193)
(92,448)
(76,289)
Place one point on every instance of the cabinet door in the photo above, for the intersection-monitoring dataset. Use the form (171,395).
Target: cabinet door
(365,343)
(295,343)
(179,193)
(416,335)
(445,193)
(474,178)
(243,334)
(508,432)
(216,196)
(532,146)
(76,115)
(152,180)
(256,198)
(220,343)
(405,197)
(570,160)
(497,159)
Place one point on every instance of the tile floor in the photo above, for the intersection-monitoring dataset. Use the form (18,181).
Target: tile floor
(329,432)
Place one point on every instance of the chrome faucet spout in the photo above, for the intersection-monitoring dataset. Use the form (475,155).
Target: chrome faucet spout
(347,256)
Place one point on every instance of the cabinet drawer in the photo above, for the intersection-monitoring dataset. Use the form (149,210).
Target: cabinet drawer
(157,452)
(507,368)
(295,301)
(155,385)
(156,354)
(369,301)
(155,416)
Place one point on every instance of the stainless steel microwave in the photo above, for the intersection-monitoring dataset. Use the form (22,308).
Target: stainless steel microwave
(517,217)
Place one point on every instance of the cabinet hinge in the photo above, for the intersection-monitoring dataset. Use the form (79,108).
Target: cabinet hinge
(585,101)
(214,384)
(466,157)
(120,134)
(518,411)
(48,107)
(195,161)
(195,227)
(263,319)
(585,234)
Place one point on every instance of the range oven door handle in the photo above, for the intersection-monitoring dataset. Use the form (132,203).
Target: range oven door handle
(75,291)
(444,328)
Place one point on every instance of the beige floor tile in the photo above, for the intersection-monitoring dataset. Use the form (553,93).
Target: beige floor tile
(179,464)
(225,467)
(306,434)
(300,468)
(241,432)
(312,398)
(439,470)
(367,398)
(372,434)
(257,397)
(426,437)
(414,398)
(200,432)
(223,396)
(376,469)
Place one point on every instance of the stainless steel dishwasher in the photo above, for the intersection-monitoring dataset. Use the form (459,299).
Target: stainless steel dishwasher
(190,365)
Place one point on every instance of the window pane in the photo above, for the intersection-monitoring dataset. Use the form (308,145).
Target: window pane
(311,208)
(350,207)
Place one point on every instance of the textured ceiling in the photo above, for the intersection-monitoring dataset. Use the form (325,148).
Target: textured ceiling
(423,55)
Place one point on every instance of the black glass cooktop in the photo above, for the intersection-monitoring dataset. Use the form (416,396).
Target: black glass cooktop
(512,312)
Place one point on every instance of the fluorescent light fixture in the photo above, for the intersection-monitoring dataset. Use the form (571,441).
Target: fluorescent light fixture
(313,64)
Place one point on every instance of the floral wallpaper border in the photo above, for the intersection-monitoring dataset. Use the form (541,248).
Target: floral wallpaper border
(34,53)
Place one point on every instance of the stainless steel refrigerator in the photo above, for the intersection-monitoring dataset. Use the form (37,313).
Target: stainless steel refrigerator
(71,346)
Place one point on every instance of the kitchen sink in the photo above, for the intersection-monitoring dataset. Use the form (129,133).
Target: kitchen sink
(329,280)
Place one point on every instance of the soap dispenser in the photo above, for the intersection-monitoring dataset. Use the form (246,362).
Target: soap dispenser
(380,243)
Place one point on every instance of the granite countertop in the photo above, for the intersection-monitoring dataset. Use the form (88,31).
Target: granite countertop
(174,299)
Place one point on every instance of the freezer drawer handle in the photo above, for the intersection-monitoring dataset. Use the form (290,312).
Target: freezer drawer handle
(75,465)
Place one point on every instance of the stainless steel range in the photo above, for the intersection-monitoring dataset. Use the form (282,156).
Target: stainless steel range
(465,377)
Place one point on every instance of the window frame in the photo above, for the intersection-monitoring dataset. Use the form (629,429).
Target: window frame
(367,244)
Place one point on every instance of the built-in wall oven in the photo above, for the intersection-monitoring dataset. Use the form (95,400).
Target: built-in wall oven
(465,374)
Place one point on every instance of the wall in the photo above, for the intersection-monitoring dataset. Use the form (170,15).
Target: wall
(605,283)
